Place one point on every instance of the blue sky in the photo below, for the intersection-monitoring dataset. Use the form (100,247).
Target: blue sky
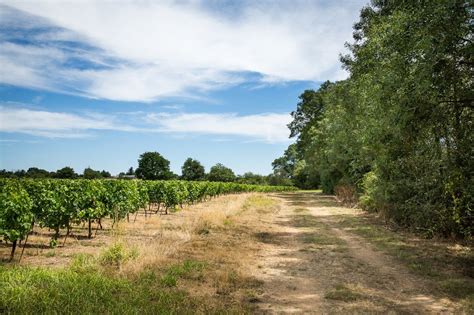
(95,83)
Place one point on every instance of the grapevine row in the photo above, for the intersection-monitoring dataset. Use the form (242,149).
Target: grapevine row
(58,204)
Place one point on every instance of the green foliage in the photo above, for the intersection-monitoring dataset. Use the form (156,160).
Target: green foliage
(65,172)
(192,170)
(15,211)
(399,130)
(152,165)
(221,173)
(89,173)
(57,204)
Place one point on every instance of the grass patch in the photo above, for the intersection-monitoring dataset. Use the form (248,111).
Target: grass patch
(72,291)
(117,254)
(189,269)
(260,204)
(321,239)
(343,293)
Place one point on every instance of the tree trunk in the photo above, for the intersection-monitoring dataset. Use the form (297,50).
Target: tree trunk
(13,250)
(90,229)
(65,238)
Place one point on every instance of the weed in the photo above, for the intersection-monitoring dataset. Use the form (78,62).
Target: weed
(117,254)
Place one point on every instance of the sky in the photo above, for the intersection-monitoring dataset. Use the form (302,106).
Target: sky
(97,83)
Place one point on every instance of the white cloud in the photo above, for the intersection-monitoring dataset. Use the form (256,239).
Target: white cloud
(53,124)
(171,48)
(269,127)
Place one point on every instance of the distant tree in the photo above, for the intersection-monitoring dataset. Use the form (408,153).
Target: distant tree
(66,172)
(105,174)
(276,180)
(6,174)
(34,172)
(19,173)
(89,173)
(192,170)
(152,165)
(130,171)
(221,173)
(252,179)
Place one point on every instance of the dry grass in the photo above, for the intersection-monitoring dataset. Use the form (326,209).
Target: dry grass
(211,234)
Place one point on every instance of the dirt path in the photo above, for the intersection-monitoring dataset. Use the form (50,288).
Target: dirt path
(310,264)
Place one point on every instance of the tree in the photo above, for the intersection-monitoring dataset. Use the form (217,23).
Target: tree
(398,131)
(252,179)
(192,170)
(153,166)
(15,213)
(66,172)
(34,172)
(105,174)
(130,171)
(220,173)
(89,173)
(284,166)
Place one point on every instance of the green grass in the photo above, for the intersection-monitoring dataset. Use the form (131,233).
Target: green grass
(189,269)
(88,287)
(67,291)
(260,204)
(343,293)
(117,254)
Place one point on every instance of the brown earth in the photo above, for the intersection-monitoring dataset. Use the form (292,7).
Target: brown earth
(277,253)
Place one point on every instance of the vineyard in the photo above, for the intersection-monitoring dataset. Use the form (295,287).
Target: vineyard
(59,204)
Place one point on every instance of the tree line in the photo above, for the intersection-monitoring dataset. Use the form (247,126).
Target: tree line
(153,166)
(397,136)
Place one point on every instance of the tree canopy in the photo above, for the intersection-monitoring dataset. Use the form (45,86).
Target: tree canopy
(192,170)
(221,173)
(66,172)
(398,131)
(152,165)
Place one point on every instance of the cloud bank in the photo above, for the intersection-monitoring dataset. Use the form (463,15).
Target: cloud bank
(144,50)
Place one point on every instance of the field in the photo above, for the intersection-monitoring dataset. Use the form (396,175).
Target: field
(240,253)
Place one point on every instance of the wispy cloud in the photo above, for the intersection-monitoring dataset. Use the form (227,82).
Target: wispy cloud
(267,127)
(143,51)
(53,124)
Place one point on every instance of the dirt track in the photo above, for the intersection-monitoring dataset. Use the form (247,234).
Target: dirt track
(310,264)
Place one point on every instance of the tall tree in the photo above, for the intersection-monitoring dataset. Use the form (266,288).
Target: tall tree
(221,173)
(192,170)
(66,172)
(152,165)
(89,173)
(35,172)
